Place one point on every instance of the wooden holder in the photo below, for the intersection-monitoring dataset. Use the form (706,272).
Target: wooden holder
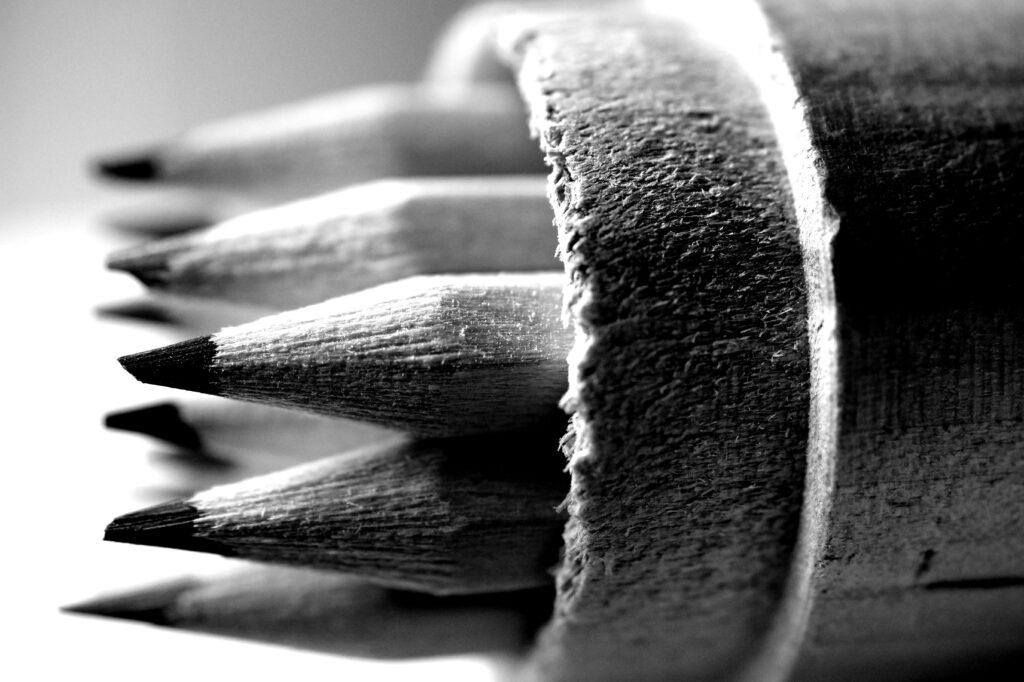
(792,239)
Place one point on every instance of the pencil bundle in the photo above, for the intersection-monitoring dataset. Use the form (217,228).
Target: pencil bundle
(784,332)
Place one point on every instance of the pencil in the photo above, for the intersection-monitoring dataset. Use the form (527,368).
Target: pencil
(361,134)
(437,355)
(244,431)
(444,517)
(311,250)
(333,613)
(464,51)
(184,317)
(164,219)
(791,249)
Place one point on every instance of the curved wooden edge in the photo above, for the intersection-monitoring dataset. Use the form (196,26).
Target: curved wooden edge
(689,429)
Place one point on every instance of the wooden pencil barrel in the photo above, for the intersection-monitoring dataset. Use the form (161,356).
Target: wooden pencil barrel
(792,240)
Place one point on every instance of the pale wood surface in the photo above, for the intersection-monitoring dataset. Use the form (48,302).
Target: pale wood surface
(436,355)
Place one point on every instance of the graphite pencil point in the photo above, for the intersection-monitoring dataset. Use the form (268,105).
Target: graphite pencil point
(330,612)
(437,356)
(161,221)
(168,524)
(455,516)
(255,438)
(135,167)
(146,264)
(162,421)
(187,365)
(142,310)
(152,605)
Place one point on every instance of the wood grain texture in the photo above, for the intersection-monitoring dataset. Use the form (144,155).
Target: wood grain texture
(689,389)
(443,517)
(435,355)
(307,251)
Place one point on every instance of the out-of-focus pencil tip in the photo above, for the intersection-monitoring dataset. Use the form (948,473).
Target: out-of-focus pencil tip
(139,310)
(137,167)
(146,263)
(149,605)
(162,421)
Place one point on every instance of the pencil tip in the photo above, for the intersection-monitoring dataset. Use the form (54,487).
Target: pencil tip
(141,310)
(134,167)
(187,365)
(150,605)
(162,421)
(168,524)
(147,263)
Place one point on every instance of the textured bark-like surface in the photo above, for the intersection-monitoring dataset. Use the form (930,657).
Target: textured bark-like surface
(917,113)
(689,378)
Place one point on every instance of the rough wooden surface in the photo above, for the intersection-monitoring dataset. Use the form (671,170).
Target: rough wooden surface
(457,516)
(916,112)
(901,139)
(689,378)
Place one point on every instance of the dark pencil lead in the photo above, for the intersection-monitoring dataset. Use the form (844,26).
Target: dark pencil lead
(159,226)
(168,524)
(143,311)
(186,365)
(130,167)
(150,605)
(162,421)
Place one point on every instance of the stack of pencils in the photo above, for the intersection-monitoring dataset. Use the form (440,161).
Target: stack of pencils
(761,418)
(402,303)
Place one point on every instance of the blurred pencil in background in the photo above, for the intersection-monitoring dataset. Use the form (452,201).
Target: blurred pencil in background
(368,234)
(361,134)
(333,613)
(242,431)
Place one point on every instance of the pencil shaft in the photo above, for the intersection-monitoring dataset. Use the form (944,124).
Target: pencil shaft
(444,517)
(245,432)
(311,250)
(362,134)
(333,613)
(439,356)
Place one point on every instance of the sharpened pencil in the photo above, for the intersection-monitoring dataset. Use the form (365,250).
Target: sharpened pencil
(357,135)
(311,250)
(333,613)
(185,316)
(433,355)
(245,431)
(444,517)
(161,220)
